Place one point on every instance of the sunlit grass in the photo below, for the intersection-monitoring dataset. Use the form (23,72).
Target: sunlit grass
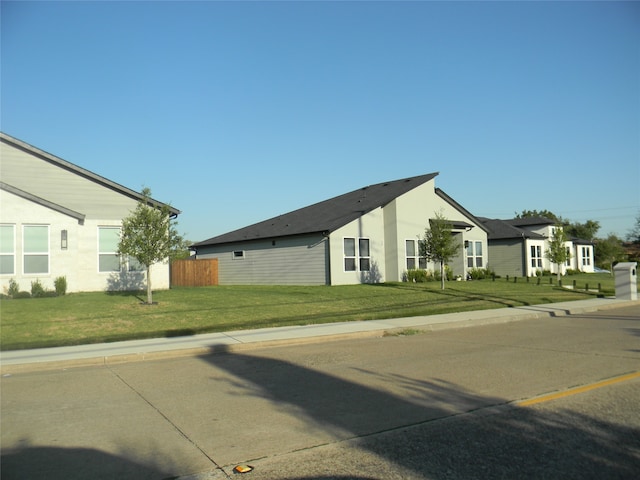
(106,317)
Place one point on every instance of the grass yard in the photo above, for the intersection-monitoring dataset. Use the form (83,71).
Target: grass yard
(82,318)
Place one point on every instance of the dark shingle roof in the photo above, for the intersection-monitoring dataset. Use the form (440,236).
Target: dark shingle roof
(504,229)
(530,221)
(324,216)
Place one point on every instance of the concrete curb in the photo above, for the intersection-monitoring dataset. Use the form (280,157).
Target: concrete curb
(235,341)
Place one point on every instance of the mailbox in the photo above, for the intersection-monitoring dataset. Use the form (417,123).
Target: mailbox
(626,280)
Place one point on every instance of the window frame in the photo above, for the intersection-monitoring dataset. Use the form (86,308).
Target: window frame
(108,252)
(12,254)
(35,253)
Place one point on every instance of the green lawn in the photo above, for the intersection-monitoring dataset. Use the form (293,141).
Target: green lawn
(82,318)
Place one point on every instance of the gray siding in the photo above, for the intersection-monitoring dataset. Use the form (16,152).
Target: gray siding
(300,260)
(506,257)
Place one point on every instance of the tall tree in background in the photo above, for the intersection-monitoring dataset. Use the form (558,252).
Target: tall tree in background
(584,231)
(438,244)
(541,213)
(634,233)
(609,251)
(557,252)
(149,235)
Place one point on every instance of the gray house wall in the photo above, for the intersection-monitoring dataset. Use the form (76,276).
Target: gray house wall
(506,257)
(299,260)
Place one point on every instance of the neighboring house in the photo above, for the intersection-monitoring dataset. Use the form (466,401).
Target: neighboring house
(57,219)
(518,247)
(369,235)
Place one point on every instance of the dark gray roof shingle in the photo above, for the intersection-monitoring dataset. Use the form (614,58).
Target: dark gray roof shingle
(324,216)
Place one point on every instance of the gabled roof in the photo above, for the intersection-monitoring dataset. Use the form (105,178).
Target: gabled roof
(462,210)
(48,157)
(326,216)
(504,229)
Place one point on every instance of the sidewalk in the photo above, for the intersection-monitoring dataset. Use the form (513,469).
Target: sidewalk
(149,349)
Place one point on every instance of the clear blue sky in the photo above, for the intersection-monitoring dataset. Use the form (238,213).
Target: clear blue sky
(235,112)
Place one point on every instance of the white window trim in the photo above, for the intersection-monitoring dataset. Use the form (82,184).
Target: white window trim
(107,272)
(354,256)
(47,253)
(13,254)
(242,254)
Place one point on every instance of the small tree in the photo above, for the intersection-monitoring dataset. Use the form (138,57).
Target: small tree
(149,235)
(557,252)
(438,245)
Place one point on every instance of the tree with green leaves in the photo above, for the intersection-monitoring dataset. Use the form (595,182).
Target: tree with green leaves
(609,251)
(584,231)
(634,233)
(438,244)
(540,213)
(149,235)
(557,251)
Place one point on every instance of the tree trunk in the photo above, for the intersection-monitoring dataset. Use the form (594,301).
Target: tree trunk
(149,294)
(559,273)
(441,275)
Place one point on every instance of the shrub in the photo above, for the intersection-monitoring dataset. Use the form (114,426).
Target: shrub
(14,288)
(22,295)
(60,284)
(37,290)
(480,273)
(418,275)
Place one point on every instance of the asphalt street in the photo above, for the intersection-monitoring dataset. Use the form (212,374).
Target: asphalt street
(431,405)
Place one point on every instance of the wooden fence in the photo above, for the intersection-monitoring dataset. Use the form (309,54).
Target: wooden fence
(194,273)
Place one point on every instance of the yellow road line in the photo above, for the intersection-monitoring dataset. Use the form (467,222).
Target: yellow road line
(574,391)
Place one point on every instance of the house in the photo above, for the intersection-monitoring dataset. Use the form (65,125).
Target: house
(518,247)
(368,235)
(58,219)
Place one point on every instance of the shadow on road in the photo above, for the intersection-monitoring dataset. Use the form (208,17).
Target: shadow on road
(53,463)
(422,427)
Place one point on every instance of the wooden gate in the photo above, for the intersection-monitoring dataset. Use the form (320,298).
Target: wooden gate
(194,273)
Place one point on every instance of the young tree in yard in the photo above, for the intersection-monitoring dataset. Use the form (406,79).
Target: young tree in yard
(149,235)
(557,252)
(438,245)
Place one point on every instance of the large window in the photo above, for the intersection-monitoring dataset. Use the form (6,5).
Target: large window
(412,254)
(536,256)
(586,256)
(36,249)
(365,255)
(356,260)
(474,254)
(7,249)
(108,240)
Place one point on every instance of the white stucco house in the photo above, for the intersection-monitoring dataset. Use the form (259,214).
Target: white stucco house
(58,219)
(518,247)
(368,235)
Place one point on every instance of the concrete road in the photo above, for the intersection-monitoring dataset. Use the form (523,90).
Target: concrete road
(440,405)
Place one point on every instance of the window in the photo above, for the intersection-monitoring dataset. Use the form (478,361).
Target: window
(360,260)
(412,254)
(238,254)
(410,251)
(36,249)
(586,257)
(479,254)
(474,255)
(108,240)
(536,256)
(568,263)
(349,247)
(7,249)
(363,252)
